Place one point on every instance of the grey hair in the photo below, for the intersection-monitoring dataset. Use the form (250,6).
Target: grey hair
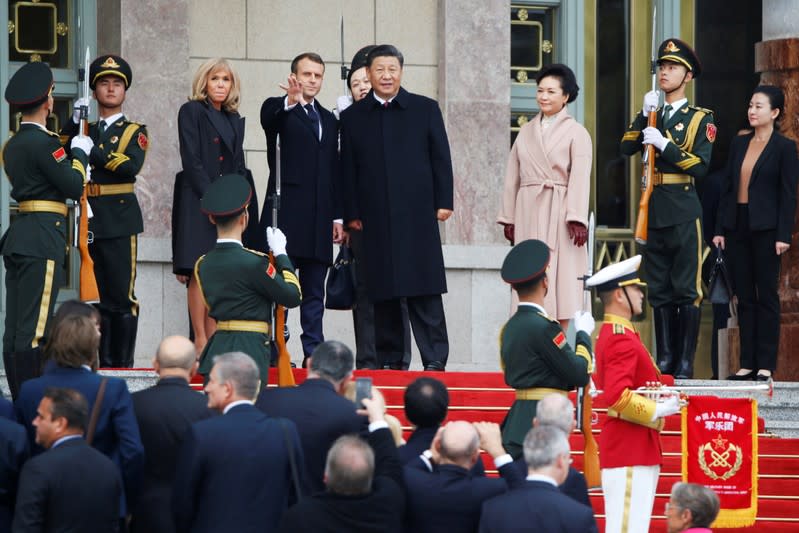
(543,445)
(700,500)
(350,466)
(555,410)
(332,360)
(239,369)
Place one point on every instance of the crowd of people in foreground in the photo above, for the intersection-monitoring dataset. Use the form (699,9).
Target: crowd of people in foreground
(80,453)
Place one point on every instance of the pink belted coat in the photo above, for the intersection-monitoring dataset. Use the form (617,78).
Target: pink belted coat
(547,184)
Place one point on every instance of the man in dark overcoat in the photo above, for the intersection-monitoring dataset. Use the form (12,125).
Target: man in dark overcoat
(398,182)
(309,172)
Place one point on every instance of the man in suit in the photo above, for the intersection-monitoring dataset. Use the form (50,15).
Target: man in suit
(240,285)
(13,454)
(364,484)
(557,410)
(629,445)
(164,413)
(239,471)
(398,180)
(691,508)
(536,357)
(538,503)
(42,177)
(683,140)
(72,486)
(116,158)
(444,494)
(309,211)
(318,408)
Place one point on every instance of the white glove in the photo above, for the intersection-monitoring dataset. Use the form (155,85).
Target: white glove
(342,103)
(669,406)
(80,102)
(583,321)
(651,101)
(655,138)
(83,143)
(276,240)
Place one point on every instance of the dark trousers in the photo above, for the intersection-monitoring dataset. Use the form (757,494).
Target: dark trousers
(755,270)
(673,261)
(312,309)
(426,314)
(363,315)
(115,272)
(32,285)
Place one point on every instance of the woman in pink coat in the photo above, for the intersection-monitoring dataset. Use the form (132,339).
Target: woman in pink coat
(547,185)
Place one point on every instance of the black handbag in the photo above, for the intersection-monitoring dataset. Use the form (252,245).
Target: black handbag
(719,287)
(340,287)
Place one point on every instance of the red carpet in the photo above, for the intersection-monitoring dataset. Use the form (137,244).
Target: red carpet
(476,396)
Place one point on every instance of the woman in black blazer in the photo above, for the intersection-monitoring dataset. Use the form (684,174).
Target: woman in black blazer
(211,133)
(756,217)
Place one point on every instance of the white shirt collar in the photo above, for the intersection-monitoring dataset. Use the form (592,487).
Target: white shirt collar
(675,105)
(220,241)
(64,439)
(231,405)
(110,120)
(35,124)
(381,100)
(531,304)
(541,477)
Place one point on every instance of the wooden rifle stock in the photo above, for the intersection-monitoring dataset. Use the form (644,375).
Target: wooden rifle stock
(642,223)
(285,377)
(591,471)
(87,291)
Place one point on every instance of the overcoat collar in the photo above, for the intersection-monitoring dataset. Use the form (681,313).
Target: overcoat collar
(236,123)
(305,119)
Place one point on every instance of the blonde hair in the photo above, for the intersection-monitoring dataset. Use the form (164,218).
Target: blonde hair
(199,84)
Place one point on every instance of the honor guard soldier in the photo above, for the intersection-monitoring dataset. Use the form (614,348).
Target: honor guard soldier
(240,285)
(683,141)
(34,248)
(536,358)
(629,445)
(117,157)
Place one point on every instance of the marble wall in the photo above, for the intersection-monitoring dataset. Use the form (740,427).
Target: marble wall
(455,51)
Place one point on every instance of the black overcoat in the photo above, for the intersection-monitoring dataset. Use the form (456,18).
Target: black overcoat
(205,153)
(398,173)
(309,176)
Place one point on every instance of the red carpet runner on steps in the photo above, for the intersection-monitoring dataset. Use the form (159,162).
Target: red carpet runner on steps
(483,396)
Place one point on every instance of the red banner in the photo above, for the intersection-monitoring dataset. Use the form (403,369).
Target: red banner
(719,450)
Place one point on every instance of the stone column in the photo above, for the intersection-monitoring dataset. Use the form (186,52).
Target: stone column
(777,60)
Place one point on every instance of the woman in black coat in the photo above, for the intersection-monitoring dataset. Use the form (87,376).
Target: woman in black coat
(754,224)
(211,135)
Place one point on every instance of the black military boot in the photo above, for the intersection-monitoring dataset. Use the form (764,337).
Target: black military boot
(689,332)
(665,318)
(125,326)
(106,335)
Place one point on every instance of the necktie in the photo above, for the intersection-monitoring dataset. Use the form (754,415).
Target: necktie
(386,104)
(101,127)
(314,116)
(666,113)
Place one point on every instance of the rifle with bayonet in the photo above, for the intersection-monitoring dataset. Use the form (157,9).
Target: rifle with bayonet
(648,160)
(87,288)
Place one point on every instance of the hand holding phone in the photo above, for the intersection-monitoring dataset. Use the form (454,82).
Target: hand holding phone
(363,389)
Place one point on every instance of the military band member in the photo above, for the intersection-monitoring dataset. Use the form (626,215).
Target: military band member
(536,358)
(239,285)
(117,157)
(629,444)
(34,248)
(683,141)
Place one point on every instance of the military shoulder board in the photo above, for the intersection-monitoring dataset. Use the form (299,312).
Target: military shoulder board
(618,329)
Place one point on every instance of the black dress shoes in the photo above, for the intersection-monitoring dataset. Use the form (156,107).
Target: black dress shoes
(743,377)
(762,377)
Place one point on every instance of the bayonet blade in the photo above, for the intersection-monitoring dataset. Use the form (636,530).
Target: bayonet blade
(591,242)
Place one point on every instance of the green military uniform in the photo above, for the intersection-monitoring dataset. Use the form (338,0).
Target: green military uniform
(120,147)
(240,285)
(535,356)
(673,253)
(34,248)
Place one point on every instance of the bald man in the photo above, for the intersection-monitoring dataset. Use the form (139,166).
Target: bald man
(442,494)
(164,413)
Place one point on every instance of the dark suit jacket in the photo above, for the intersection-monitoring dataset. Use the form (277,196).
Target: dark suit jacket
(13,454)
(69,488)
(7,409)
(574,487)
(420,440)
(116,435)
(164,412)
(449,498)
(206,153)
(309,177)
(772,187)
(380,511)
(321,415)
(398,173)
(540,507)
(233,473)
